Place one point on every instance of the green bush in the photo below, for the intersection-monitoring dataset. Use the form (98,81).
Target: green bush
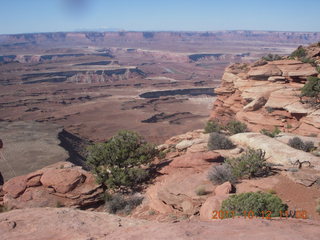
(219,141)
(259,203)
(312,90)
(122,204)
(234,127)
(213,126)
(271,57)
(308,60)
(251,163)
(318,69)
(220,174)
(117,162)
(276,131)
(299,53)
(297,143)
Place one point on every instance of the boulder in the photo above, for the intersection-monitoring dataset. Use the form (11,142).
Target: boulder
(264,71)
(61,184)
(276,151)
(255,104)
(277,79)
(223,189)
(194,160)
(280,98)
(188,143)
(213,203)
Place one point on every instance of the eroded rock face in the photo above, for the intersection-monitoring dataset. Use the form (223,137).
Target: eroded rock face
(61,184)
(267,95)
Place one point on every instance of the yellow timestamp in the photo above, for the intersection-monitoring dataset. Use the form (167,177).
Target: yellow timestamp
(300,214)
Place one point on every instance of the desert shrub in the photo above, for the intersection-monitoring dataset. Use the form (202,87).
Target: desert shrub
(297,143)
(117,162)
(252,163)
(308,60)
(271,57)
(219,141)
(220,174)
(318,206)
(272,191)
(234,127)
(213,126)
(4,208)
(276,131)
(312,90)
(200,191)
(122,204)
(270,109)
(257,202)
(318,69)
(300,52)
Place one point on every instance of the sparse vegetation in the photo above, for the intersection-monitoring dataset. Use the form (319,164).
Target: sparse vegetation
(59,204)
(269,109)
(271,57)
(276,131)
(219,141)
(257,203)
(117,162)
(272,191)
(162,155)
(4,208)
(318,206)
(289,126)
(220,174)
(213,126)
(152,212)
(200,191)
(308,60)
(250,164)
(297,143)
(234,127)
(122,204)
(311,90)
(300,52)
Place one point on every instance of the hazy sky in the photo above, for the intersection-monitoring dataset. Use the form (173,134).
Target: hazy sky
(20,16)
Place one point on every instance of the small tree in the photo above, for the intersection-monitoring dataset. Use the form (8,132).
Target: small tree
(117,162)
(311,90)
(234,127)
(250,164)
(213,126)
(300,52)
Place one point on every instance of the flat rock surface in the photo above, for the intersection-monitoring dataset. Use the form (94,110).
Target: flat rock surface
(29,146)
(62,223)
(276,151)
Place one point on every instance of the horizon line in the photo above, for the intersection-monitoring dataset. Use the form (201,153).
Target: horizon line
(181,31)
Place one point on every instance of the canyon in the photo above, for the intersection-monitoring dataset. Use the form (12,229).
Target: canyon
(60,92)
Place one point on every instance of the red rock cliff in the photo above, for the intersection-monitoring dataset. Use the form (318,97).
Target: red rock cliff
(266,94)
